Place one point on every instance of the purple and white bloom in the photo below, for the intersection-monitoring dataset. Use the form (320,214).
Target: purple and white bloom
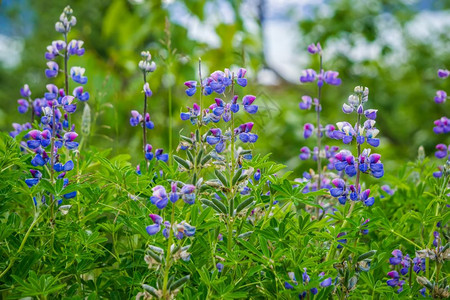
(188,193)
(136,118)
(257,175)
(247,102)
(191,87)
(442,125)
(219,267)
(148,124)
(308,75)
(330,77)
(25,91)
(80,95)
(156,227)
(173,195)
(440,97)
(443,73)
(77,74)
(148,152)
(419,264)
(306,102)
(243,131)
(305,153)
(326,282)
(52,70)
(36,178)
(341,241)
(308,130)
(315,48)
(161,156)
(159,197)
(147,90)
(240,80)
(75,47)
(442,151)
(192,114)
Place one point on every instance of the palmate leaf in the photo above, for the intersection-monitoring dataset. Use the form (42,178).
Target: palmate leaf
(38,285)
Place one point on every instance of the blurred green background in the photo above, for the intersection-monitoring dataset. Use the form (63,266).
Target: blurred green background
(394,47)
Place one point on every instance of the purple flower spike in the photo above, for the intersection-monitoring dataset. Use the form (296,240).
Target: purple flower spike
(441,96)
(52,70)
(443,73)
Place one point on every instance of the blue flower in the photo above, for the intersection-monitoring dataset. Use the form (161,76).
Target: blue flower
(159,197)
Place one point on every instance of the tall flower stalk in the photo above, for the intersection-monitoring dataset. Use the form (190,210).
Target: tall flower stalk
(363,162)
(331,78)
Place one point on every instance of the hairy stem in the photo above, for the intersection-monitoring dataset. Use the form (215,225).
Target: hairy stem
(144,128)
(168,256)
(319,132)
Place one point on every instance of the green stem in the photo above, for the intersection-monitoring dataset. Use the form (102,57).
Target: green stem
(27,234)
(319,162)
(405,238)
(168,256)
(144,128)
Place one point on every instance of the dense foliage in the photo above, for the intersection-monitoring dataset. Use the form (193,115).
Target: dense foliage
(208,215)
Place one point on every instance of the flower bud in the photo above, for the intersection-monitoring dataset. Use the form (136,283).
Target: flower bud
(421,153)
(59,27)
(150,67)
(73,21)
(353,100)
(360,109)
(358,89)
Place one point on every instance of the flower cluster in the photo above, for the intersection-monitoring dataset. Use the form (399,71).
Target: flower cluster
(217,82)
(344,192)
(364,161)
(403,262)
(305,281)
(319,152)
(160,198)
(53,109)
(179,230)
(442,126)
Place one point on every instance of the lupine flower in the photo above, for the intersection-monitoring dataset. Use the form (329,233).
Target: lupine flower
(326,282)
(52,70)
(146,64)
(188,193)
(442,125)
(243,131)
(148,152)
(18,128)
(155,228)
(69,138)
(147,90)
(419,264)
(440,97)
(148,124)
(161,156)
(159,197)
(247,102)
(240,77)
(23,106)
(191,87)
(219,267)
(305,153)
(437,239)
(315,48)
(330,77)
(78,93)
(59,167)
(306,102)
(395,280)
(136,118)
(36,178)
(192,115)
(77,75)
(345,161)
(25,91)
(308,130)
(308,75)
(443,73)
(75,47)
(257,175)
(442,151)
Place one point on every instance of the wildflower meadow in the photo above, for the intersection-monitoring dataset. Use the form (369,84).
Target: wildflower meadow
(178,179)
